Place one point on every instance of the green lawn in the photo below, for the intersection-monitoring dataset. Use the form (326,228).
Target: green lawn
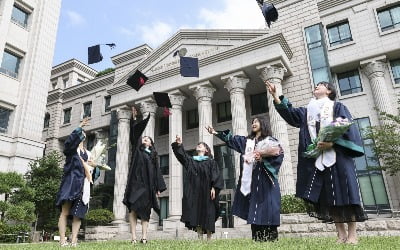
(381,243)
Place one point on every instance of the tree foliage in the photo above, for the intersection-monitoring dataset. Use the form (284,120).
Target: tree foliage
(387,142)
(105,72)
(44,178)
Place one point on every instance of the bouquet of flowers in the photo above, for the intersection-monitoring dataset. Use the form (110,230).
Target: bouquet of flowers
(260,147)
(330,133)
(99,155)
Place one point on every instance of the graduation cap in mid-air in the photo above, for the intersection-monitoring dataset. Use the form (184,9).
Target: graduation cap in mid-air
(189,66)
(94,54)
(137,80)
(163,101)
(269,11)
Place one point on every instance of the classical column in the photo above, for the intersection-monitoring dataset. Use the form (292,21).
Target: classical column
(375,71)
(236,84)
(203,93)
(274,74)
(148,106)
(121,171)
(175,168)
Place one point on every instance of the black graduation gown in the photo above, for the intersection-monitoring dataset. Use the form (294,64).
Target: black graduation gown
(334,191)
(71,186)
(144,178)
(197,207)
(262,206)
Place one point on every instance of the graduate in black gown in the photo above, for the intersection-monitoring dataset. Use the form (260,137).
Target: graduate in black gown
(330,181)
(257,196)
(200,202)
(69,196)
(145,181)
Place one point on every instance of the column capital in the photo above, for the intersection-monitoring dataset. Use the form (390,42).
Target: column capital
(147,105)
(177,98)
(204,90)
(272,72)
(124,112)
(374,69)
(235,81)
(100,134)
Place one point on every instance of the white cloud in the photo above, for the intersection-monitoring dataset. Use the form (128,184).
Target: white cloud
(236,14)
(75,18)
(156,33)
(126,31)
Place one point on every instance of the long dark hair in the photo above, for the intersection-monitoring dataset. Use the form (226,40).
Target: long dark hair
(264,126)
(208,153)
(152,148)
(331,87)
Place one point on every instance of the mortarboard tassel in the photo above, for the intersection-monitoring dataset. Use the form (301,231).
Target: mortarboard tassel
(166,112)
(141,81)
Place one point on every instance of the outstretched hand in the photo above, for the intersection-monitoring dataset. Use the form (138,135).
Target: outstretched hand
(84,122)
(178,139)
(211,130)
(212,193)
(271,88)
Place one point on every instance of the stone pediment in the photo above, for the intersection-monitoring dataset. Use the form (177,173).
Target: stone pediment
(199,43)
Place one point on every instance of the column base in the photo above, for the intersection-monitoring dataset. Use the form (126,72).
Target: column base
(122,226)
(172,223)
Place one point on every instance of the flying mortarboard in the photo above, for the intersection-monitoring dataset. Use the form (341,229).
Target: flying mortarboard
(137,80)
(270,13)
(163,101)
(94,54)
(189,66)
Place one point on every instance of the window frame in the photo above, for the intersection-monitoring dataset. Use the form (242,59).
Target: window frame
(228,117)
(107,109)
(70,115)
(395,85)
(47,118)
(383,9)
(9,112)
(351,88)
(190,125)
(83,109)
(7,72)
(24,10)
(336,25)
(266,102)
(163,124)
(163,167)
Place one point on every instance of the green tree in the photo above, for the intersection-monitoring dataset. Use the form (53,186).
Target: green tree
(44,178)
(105,72)
(387,142)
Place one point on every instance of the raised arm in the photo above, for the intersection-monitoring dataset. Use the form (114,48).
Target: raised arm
(73,140)
(137,128)
(180,152)
(293,116)
(237,142)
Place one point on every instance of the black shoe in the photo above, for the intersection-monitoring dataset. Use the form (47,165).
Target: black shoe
(144,241)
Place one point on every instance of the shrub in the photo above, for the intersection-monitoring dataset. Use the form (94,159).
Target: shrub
(291,204)
(9,233)
(99,217)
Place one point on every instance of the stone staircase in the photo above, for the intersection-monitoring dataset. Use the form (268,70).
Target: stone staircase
(292,225)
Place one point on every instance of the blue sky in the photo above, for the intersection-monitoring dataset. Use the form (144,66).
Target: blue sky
(130,23)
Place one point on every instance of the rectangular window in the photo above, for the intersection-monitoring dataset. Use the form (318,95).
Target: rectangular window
(107,102)
(164,125)
(339,33)
(65,83)
(164,164)
(226,161)
(19,16)
(224,111)
(395,65)
(389,18)
(10,64)
(259,104)
(163,209)
(349,83)
(87,109)
(4,119)
(317,54)
(47,120)
(91,138)
(67,115)
(192,119)
(372,186)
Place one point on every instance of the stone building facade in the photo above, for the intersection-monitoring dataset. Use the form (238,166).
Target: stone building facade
(28,34)
(353,44)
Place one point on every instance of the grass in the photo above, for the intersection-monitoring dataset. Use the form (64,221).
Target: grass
(381,243)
